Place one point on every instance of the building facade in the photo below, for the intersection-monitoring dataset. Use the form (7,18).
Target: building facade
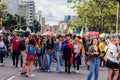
(31,11)
(23,11)
(38,17)
(12,6)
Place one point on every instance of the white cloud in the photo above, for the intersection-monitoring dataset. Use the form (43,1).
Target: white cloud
(53,12)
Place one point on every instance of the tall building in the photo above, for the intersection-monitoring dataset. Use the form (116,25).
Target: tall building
(12,6)
(38,17)
(23,11)
(43,21)
(30,5)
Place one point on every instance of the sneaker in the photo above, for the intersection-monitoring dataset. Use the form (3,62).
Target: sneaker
(2,64)
(78,71)
(48,71)
(31,75)
(58,71)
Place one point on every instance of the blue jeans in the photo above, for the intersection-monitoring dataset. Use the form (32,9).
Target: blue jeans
(1,58)
(58,56)
(39,58)
(94,69)
(48,60)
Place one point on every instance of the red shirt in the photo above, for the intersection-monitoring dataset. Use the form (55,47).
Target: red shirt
(16,44)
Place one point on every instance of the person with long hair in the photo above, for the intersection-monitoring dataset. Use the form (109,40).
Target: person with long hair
(39,53)
(3,49)
(118,49)
(77,51)
(15,49)
(112,62)
(57,50)
(31,56)
(49,53)
(23,48)
(94,60)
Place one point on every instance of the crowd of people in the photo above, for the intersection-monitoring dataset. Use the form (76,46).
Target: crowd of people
(39,52)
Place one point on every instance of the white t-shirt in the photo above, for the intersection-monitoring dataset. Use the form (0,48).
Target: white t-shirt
(2,44)
(111,52)
(76,47)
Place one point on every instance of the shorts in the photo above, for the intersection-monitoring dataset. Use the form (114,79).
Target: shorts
(31,57)
(24,56)
(112,65)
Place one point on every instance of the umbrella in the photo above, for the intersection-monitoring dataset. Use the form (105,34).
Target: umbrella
(48,33)
(19,31)
(93,33)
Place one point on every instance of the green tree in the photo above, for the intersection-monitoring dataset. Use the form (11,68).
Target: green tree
(93,13)
(37,26)
(11,21)
(3,10)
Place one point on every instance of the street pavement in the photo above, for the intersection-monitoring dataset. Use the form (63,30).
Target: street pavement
(9,72)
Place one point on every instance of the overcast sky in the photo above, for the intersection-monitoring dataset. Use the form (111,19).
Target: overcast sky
(53,10)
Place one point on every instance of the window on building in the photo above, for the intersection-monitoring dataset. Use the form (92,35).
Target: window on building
(31,16)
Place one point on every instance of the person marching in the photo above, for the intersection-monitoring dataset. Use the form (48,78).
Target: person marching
(31,56)
(3,50)
(49,53)
(57,49)
(94,60)
(15,49)
(68,52)
(77,50)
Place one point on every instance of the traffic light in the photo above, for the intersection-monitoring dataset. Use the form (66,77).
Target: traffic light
(0,21)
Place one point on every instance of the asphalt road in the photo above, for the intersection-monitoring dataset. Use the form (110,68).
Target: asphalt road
(8,72)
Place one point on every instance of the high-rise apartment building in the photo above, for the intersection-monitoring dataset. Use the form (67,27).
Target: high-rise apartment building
(38,17)
(30,13)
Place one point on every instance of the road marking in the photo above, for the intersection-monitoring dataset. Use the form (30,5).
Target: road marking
(12,77)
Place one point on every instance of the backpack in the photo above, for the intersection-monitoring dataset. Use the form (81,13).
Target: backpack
(31,49)
(22,46)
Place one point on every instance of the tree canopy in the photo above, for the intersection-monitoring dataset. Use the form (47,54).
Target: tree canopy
(100,14)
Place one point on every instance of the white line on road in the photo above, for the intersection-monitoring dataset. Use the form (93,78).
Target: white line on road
(12,77)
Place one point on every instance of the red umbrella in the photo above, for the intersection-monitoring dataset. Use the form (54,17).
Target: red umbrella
(93,33)
(48,33)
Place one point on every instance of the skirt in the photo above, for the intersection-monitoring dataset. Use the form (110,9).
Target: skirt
(112,65)
(31,57)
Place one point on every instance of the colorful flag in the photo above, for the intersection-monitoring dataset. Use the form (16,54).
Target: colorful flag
(81,33)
